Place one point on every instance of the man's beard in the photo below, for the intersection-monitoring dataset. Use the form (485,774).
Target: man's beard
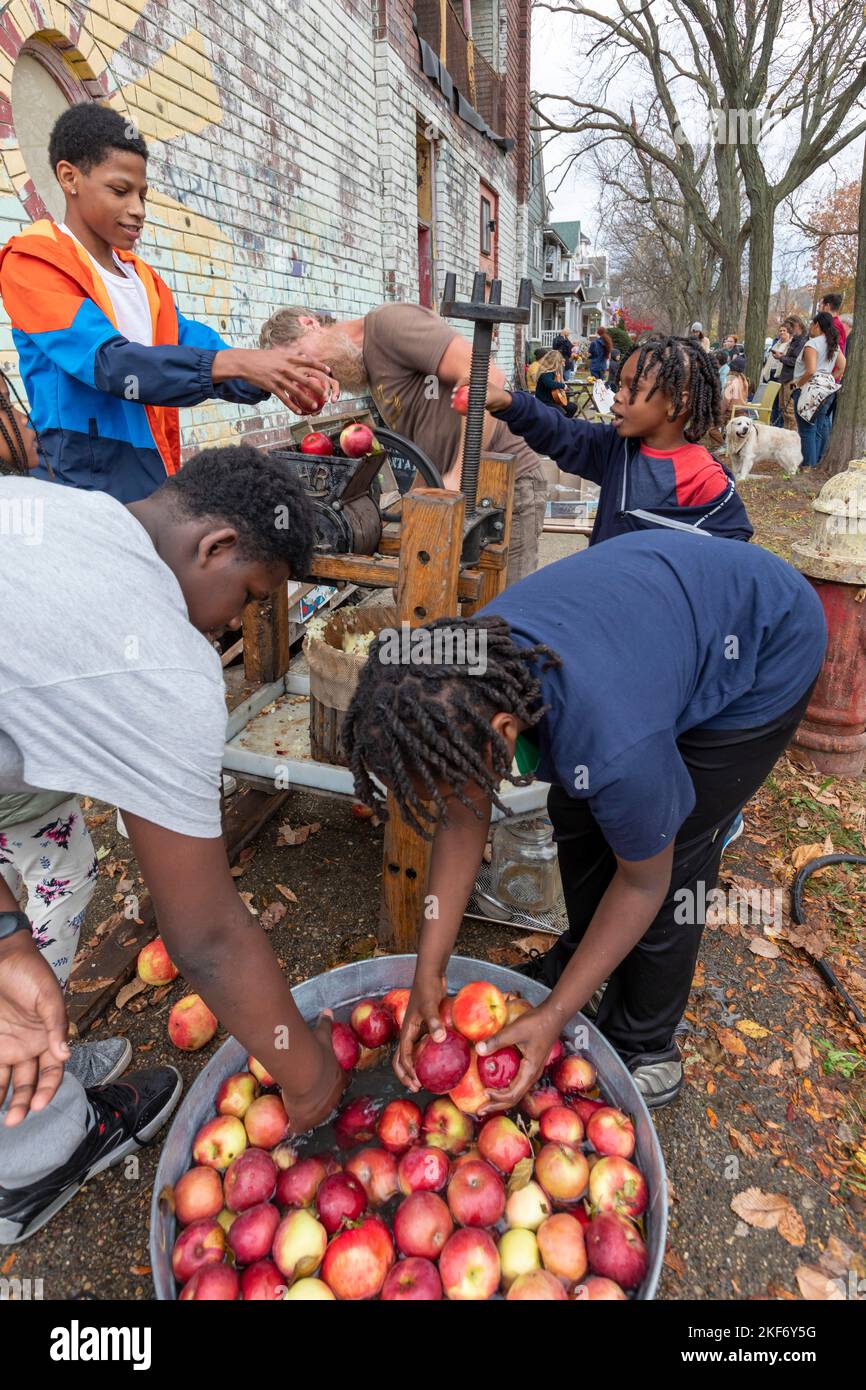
(346,362)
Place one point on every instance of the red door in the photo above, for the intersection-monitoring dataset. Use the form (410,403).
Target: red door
(488,232)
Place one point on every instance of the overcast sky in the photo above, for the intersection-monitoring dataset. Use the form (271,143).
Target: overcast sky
(576,195)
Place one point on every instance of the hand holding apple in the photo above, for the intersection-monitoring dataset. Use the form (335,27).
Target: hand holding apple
(497,399)
(309,1107)
(422,1012)
(533,1034)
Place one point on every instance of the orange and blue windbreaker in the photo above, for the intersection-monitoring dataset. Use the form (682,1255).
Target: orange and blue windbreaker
(105,409)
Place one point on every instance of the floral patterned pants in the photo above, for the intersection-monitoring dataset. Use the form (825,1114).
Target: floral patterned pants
(50,862)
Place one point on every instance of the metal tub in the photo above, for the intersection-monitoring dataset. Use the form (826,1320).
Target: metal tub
(340,990)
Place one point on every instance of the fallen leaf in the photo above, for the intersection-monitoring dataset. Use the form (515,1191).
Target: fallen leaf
(791,1226)
(712,1117)
(742,1142)
(247,900)
(761,947)
(237,869)
(297,835)
(802,823)
(140,1270)
(778,1291)
(88,986)
(801,1050)
(129,992)
(158,995)
(286,892)
(731,1043)
(272,915)
(534,941)
(675,1261)
(521,1174)
(817,1286)
(803,853)
(7,1264)
(145,1047)
(711,1087)
(751,1029)
(838,1257)
(757,1208)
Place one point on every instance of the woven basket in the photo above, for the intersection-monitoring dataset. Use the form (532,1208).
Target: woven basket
(334,675)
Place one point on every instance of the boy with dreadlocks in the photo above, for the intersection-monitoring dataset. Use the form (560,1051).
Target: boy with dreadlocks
(650,467)
(653,682)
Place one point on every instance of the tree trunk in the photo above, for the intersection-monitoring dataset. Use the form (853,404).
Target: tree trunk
(848,440)
(729,218)
(760,280)
(730,297)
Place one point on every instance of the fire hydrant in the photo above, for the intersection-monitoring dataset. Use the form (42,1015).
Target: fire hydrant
(834,560)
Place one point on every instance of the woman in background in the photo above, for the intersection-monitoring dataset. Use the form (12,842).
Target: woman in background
(599,353)
(550,386)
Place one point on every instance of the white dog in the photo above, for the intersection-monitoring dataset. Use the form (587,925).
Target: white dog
(750,442)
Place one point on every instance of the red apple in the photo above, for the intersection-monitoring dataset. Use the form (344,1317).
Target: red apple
(300,1242)
(317,443)
(376,1171)
(472,1155)
(615,1250)
(249,1180)
(561,1246)
(480,1011)
(262,1283)
(554,1055)
(616,1185)
(422,1224)
(347,1048)
(297,1186)
(503,1144)
(373,1023)
(537,1287)
(476,1195)
(266,1122)
(198,1196)
(252,1234)
(597,1288)
(356,441)
(191,1025)
(202,1243)
(574,1074)
(460,400)
(154,965)
(440,1066)
(423,1169)
(446,1010)
(309,1291)
(446,1127)
(611,1132)
(517,1006)
(560,1125)
(341,1197)
(284,1155)
(562,1171)
(357,1261)
(412,1281)
(219,1141)
(397,1000)
(236,1094)
(399,1125)
(469,1266)
(527,1207)
(498,1069)
(542,1097)
(470,1094)
(581,1214)
(261,1073)
(211,1284)
(585,1107)
(356,1122)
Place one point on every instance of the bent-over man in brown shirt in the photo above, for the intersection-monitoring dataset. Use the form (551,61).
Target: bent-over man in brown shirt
(408,359)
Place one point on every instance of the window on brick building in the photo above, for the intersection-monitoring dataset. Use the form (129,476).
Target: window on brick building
(43,87)
(488,253)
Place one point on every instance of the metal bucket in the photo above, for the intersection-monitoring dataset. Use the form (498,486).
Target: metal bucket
(340,990)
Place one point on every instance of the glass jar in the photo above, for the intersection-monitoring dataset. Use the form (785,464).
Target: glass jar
(523,866)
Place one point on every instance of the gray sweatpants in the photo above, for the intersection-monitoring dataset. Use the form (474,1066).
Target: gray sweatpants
(45,1140)
(527,519)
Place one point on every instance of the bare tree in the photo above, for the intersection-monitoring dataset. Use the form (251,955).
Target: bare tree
(749,66)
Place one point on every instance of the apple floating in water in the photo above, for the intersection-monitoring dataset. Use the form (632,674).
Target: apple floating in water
(318,444)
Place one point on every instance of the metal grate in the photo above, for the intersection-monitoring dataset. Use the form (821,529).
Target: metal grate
(555,922)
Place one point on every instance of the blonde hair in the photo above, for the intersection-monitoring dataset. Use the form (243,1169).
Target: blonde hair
(551,362)
(284,326)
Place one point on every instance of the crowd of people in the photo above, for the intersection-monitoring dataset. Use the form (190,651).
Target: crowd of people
(110,686)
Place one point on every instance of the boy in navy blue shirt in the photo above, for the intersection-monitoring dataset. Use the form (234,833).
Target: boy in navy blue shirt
(653,682)
(650,467)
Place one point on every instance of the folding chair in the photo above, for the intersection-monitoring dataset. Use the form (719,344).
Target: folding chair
(761,404)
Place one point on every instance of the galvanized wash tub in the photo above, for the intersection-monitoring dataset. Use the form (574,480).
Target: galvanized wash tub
(340,990)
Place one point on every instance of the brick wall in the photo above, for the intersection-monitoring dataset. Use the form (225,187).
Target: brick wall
(283,158)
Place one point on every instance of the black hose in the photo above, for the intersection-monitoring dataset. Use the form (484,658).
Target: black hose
(797,914)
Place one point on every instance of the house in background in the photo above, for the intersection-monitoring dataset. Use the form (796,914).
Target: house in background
(592,273)
(557,293)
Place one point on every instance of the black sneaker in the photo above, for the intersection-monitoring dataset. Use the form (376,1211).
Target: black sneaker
(126,1116)
(657,1075)
(533,966)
